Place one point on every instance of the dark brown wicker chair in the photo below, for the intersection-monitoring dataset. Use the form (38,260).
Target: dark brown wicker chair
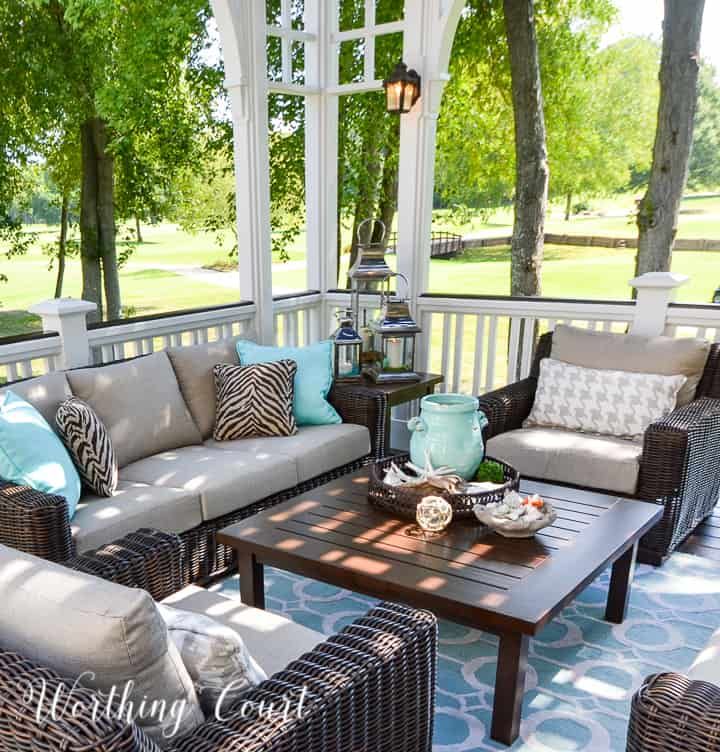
(671,713)
(370,687)
(38,524)
(679,466)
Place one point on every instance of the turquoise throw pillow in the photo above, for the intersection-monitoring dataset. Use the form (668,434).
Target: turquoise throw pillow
(32,455)
(313,379)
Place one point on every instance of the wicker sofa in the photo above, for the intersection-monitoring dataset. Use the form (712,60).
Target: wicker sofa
(160,410)
(676,464)
(673,711)
(370,687)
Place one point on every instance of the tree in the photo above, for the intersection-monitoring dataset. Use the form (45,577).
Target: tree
(679,67)
(104,71)
(531,163)
(705,155)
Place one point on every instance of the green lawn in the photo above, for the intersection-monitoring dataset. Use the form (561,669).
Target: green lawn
(150,285)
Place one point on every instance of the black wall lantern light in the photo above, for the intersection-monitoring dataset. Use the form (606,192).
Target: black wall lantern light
(402,89)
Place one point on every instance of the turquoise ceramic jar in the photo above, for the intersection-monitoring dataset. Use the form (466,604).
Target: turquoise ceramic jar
(449,431)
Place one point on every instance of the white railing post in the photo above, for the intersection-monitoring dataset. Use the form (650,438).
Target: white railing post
(655,292)
(67,317)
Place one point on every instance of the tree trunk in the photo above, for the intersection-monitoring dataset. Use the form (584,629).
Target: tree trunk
(138,231)
(568,207)
(531,172)
(89,233)
(62,245)
(106,221)
(659,207)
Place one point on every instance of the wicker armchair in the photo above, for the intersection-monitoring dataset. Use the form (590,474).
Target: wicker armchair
(38,524)
(370,687)
(671,712)
(678,468)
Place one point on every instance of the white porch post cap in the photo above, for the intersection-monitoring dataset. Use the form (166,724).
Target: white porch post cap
(658,281)
(62,307)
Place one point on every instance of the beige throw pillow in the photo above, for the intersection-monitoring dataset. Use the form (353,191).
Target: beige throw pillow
(612,403)
(628,352)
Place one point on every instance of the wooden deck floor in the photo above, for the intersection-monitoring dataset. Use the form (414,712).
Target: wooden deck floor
(705,541)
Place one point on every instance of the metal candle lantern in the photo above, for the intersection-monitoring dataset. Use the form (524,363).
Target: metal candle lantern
(348,349)
(402,89)
(394,335)
(369,273)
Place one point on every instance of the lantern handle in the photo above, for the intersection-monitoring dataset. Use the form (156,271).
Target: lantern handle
(373,221)
(405,280)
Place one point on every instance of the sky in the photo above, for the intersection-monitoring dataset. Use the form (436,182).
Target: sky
(645,17)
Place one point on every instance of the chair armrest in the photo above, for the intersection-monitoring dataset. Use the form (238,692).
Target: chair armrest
(507,408)
(366,407)
(147,559)
(671,712)
(35,522)
(371,687)
(75,727)
(679,469)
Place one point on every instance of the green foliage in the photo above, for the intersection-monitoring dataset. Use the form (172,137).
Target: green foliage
(490,472)
(705,155)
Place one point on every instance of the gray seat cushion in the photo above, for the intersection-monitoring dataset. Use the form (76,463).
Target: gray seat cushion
(194,370)
(602,462)
(225,481)
(45,393)
(626,352)
(272,640)
(140,403)
(75,623)
(314,449)
(100,520)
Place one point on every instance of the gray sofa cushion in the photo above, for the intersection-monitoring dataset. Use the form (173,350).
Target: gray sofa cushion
(45,393)
(602,462)
(225,481)
(75,623)
(272,640)
(314,449)
(140,403)
(626,352)
(100,520)
(194,370)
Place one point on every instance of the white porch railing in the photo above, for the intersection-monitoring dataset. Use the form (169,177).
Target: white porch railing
(30,356)
(478,342)
(298,319)
(142,336)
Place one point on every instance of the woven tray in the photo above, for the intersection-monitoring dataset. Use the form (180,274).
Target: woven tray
(402,502)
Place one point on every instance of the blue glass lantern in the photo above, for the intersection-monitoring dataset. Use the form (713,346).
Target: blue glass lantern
(348,349)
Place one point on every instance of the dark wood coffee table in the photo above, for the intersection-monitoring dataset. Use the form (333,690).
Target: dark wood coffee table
(469,575)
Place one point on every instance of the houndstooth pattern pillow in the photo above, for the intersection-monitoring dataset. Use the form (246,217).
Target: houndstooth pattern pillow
(614,403)
(88,442)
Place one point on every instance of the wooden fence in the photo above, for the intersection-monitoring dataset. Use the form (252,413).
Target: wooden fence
(596,241)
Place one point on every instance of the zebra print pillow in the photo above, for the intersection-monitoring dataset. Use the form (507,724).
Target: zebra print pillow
(255,400)
(88,442)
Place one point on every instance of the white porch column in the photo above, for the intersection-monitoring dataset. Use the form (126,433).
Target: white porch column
(321,146)
(67,317)
(430,28)
(655,291)
(242,28)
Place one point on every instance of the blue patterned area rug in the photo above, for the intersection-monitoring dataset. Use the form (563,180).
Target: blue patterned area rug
(583,671)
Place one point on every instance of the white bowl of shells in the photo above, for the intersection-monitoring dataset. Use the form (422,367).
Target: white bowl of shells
(516,516)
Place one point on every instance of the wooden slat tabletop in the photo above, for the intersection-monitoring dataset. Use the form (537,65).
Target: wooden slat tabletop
(468,573)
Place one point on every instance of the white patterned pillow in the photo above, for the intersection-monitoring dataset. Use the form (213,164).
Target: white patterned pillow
(614,403)
(214,655)
(255,400)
